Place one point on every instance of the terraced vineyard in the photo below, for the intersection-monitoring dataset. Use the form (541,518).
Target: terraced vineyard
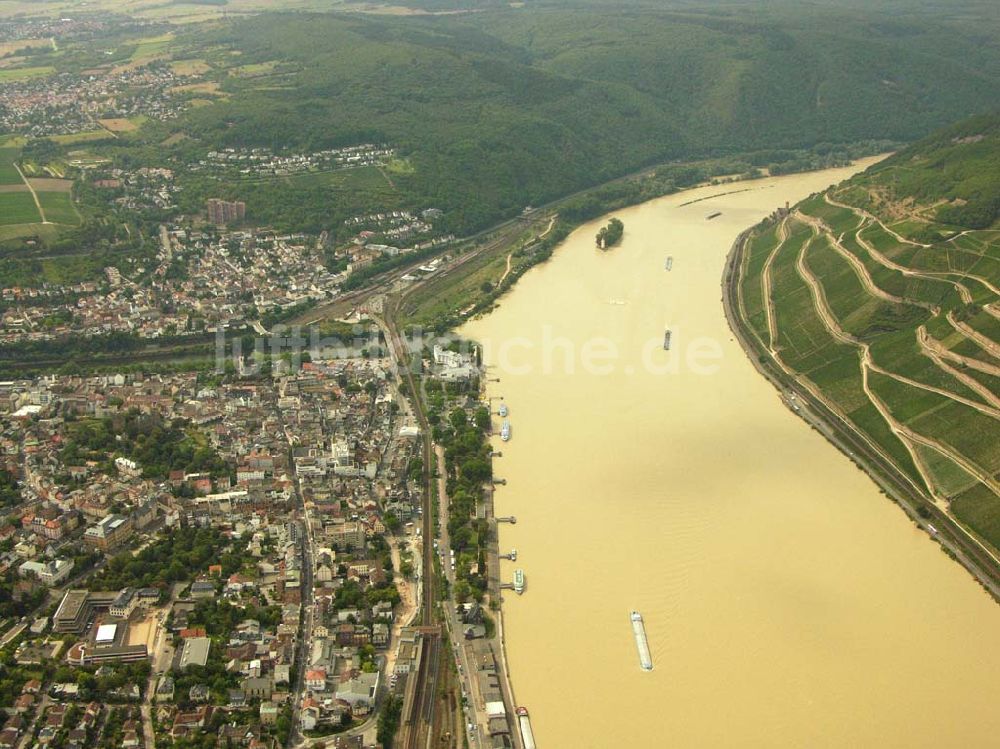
(880,299)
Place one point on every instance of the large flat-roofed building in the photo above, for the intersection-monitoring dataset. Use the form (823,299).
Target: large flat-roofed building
(195,652)
(69,617)
(83,654)
(345,535)
(108,643)
(78,607)
(106,634)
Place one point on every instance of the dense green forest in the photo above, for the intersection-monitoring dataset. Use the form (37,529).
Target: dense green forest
(496,110)
(512,106)
(956,170)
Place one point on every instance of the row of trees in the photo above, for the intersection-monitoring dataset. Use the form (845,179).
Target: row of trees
(467,457)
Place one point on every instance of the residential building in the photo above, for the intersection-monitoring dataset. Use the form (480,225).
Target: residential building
(222,212)
(49,573)
(109,532)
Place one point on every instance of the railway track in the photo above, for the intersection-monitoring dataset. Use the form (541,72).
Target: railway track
(385,283)
(414,721)
(419,724)
(419,721)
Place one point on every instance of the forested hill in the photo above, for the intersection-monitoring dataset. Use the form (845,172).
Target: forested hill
(882,296)
(503,108)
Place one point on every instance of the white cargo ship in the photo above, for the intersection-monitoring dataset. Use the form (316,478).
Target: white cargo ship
(639,630)
(519,580)
(505,430)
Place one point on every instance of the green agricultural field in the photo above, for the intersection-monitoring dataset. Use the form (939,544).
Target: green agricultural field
(803,341)
(85,137)
(978,508)
(805,344)
(951,478)
(988,381)
(859,313)
(44,232)
(926,290)
(10,75)
(761,245)
(151,47)
(58,207)
(18,208)
(8,174)
(254,70)
(840,220)
(900,352)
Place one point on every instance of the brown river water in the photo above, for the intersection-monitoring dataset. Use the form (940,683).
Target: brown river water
(786,601)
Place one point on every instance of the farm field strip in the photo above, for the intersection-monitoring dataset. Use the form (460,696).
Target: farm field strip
(826,315)
(765,282)
(870,220)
